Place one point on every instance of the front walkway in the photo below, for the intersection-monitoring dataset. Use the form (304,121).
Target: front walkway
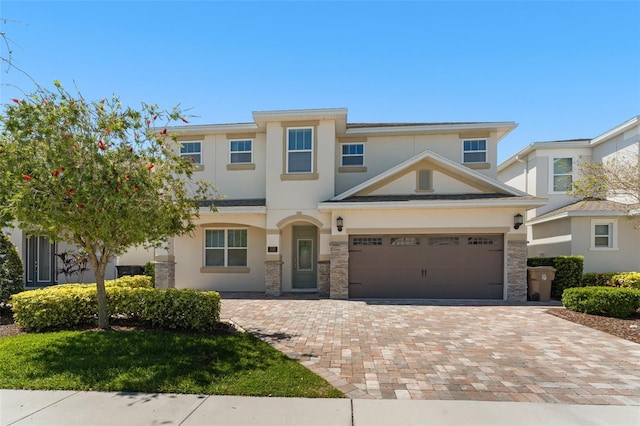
(434,351)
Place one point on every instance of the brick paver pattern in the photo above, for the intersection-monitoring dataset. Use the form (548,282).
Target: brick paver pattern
(430,351)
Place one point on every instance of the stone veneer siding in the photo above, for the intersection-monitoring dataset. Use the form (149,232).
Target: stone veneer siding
(165,274)
(273,277)
(517,270)
(324,278)
(339,270)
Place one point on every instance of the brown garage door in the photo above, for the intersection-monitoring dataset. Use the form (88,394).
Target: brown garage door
(426,266)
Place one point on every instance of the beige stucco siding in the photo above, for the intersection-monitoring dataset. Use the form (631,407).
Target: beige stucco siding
(190,259)
(441,183)
(385,152)
(550,239)
(623,258)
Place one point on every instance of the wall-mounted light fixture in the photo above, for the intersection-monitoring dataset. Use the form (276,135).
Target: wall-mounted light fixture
(339,223)
(517,221)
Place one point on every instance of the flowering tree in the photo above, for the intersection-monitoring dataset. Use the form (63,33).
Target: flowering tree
(616,179)
(97,174)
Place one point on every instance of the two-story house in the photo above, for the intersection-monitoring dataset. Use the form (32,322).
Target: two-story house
(599,230)
(313,203)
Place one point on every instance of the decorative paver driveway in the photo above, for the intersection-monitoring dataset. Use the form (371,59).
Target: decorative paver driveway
(433,351)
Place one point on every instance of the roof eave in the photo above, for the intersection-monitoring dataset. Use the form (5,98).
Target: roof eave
(431,204)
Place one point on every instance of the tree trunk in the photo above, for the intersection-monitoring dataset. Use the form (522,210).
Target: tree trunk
(103,316)
(99,267)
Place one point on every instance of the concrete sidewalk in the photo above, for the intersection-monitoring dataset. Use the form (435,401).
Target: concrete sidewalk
(20,407)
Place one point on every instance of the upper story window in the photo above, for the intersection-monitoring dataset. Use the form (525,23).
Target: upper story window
(225,247)
(241,151)
(562,178)
(474,151)
(300,150)
(352,154)
(192,151)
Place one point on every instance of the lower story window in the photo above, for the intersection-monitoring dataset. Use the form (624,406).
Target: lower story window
(602,234)
(225,247)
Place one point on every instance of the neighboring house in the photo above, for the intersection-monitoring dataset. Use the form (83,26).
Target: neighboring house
(313,203)
(42,266)
(597,229)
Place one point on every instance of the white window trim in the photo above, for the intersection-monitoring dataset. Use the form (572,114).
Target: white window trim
(552,175)
(298,150)
(613,234)
(188,155)
(241,152)
(352,155)
(485,150)
(225,248)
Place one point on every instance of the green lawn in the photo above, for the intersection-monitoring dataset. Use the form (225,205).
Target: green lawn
(155,361)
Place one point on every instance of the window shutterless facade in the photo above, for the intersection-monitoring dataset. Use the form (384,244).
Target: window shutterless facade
(300,150)
(192,151)
(603,234)
(425,180)
(225,247)
(241,151)
(352,154)
(474,151)
(562,174)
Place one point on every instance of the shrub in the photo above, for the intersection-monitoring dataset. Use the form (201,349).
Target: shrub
(590,279)
(11,271)
(70,305)
(131,281)
(626,279)
(609,301)
(568,271)
(150,271)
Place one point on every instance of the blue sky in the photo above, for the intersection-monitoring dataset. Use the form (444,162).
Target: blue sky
(562,70)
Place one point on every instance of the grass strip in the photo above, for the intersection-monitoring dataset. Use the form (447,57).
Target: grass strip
(155,361)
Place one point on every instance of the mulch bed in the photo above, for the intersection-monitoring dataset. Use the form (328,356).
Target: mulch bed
(628,329)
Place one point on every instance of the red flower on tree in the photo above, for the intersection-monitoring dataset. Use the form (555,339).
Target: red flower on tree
(70,192)
(184,119)
(56,173)
(16,100)
(26,177)
(150,166)
(101,145)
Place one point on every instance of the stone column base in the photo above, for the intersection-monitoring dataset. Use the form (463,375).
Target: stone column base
(517,270)
(165,274)
(273,277)
(339,270)
(324,278)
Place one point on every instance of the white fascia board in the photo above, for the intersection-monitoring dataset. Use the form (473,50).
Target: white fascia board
(262,117)
(616,130)
(212,128)
(431,204)
(447,163)
(235,210)
(506,127)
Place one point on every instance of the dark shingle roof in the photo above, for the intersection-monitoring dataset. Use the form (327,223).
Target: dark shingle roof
(589,205)
(248,202)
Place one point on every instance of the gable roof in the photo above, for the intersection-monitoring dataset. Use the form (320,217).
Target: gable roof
(456,168)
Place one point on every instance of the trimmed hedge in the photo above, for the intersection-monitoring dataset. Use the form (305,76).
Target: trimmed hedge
(568,271)
(11,281)
(626,279)
(613,279)
(69,305)
(610,301)
(590,279)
